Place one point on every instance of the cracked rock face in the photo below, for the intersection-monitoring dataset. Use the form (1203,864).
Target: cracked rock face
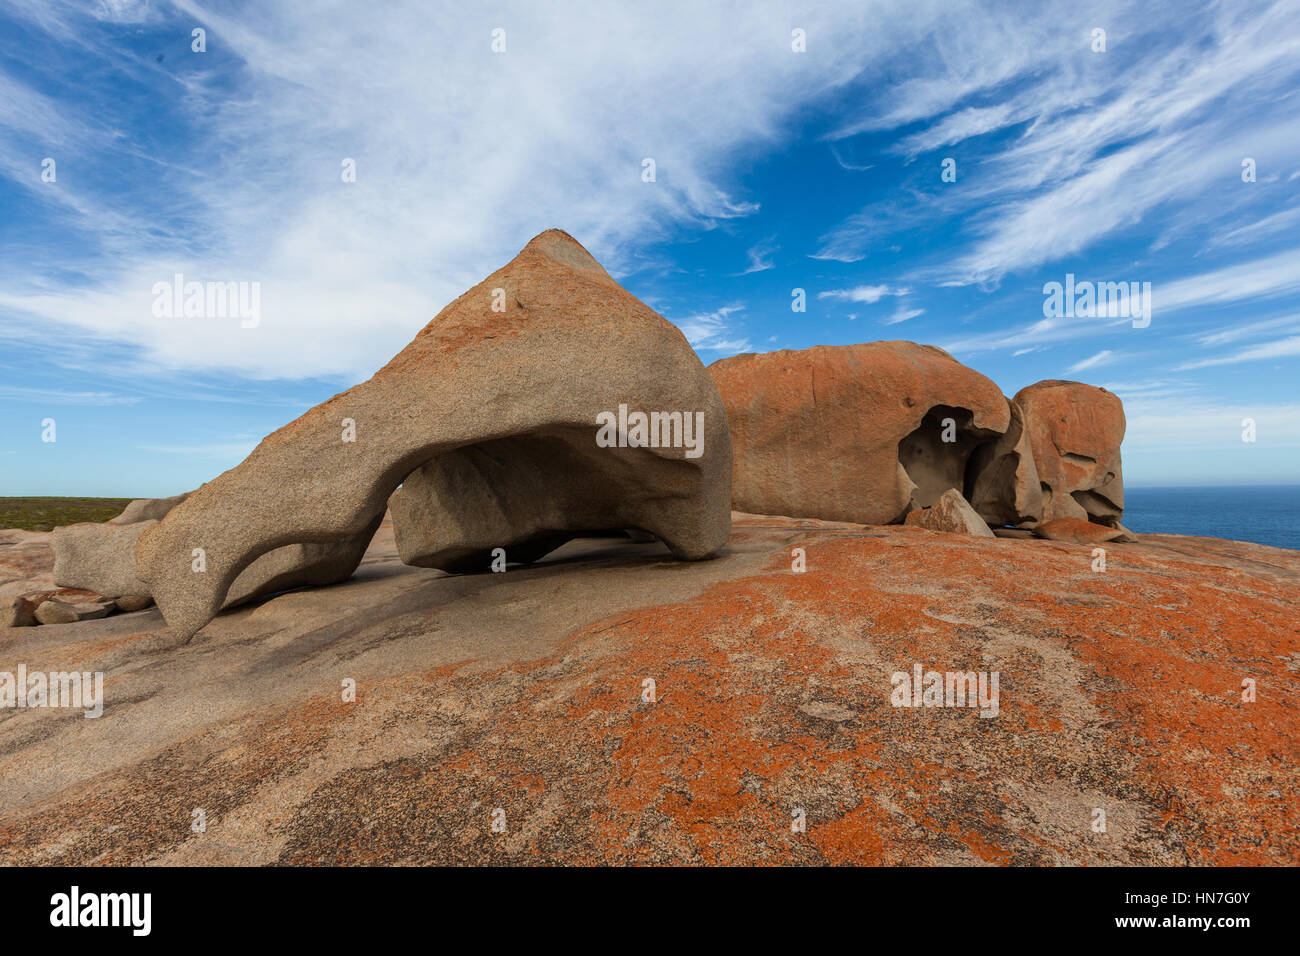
(1075,432)
(862,433)
(1003,479)
(518,369)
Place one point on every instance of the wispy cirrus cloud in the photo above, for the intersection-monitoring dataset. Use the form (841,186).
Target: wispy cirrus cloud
(902,315)
(714,331)
(55,396)
(1109,138)
(760,256)
(448,187)
(1104,357)
(1279,348)
(867,294)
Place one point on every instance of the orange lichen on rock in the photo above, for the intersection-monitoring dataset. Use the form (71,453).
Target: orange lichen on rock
(510,718)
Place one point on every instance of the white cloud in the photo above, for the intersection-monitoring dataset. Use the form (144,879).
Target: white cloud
(1278,274)
(713,331)
(902,315)
(55,396)
(760,257)
(1281,348)
(1283,221)
(868,294)
(1104,357)
(1235,332)
(462,156)
(1158,120)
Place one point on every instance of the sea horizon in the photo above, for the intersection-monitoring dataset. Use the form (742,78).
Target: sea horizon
(1260,514)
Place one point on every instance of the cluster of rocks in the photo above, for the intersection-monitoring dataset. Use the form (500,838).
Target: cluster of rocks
(65,606)
(487,420)
(890,432)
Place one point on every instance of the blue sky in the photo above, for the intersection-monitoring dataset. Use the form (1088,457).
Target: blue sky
(775,170)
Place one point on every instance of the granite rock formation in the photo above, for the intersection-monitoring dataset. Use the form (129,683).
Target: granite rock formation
(531,357)
(1075,431)
(863,433)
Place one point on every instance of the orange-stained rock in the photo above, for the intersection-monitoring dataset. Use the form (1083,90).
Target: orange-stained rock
(1082,531)
(524,691)
(853,432)
(1075,431)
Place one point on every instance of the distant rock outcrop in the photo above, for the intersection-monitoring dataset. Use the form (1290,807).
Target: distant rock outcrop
(1075,431)
(862,433)
(537,356)
(148,509)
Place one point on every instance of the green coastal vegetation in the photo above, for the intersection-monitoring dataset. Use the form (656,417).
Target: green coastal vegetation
(45,514)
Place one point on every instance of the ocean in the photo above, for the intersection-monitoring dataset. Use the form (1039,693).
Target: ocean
(1263,514)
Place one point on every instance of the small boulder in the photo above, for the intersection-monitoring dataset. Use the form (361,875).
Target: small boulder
(1079,531)
(55,611)
(951,513)
(133,602)
(17,611)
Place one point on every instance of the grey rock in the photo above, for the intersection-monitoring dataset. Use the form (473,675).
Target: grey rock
(579,345)
(951,513)
(56,612)
(148,509)
(99,557)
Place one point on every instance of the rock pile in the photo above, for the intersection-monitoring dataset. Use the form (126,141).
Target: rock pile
(881,433)
(64,606)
